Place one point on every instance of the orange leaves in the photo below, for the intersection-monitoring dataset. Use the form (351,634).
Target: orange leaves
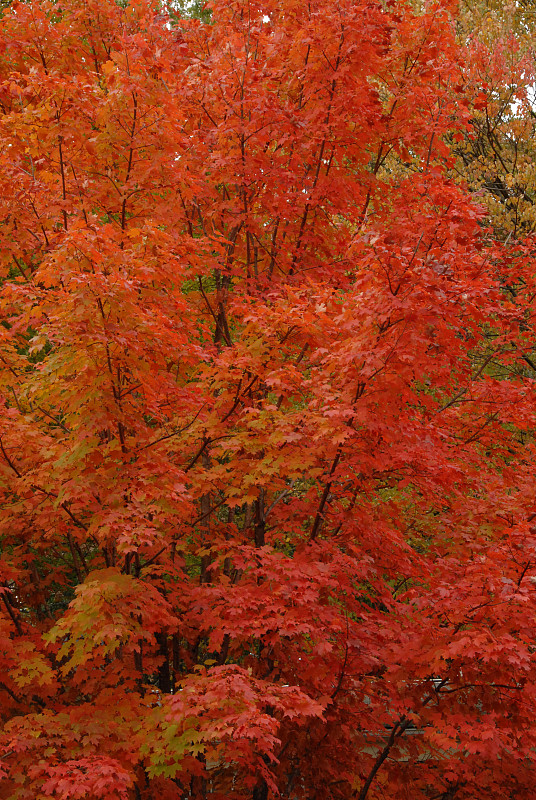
(265,448)
(31,667)
(111,612)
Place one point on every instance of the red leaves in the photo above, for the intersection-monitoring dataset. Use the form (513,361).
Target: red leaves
(230,717)
(102,778)
(265,449)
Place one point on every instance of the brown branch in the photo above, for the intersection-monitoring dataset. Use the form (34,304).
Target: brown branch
(325,494)
(10,693)
(11,464)
(17,262)
(130,157)
(397,730)
(62,170)
(474,377)
(199,453)
(77,522)
(173,433)
(208,513)
(11,613)
(75,563)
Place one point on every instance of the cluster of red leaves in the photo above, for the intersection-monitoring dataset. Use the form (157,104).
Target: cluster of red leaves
(265,463)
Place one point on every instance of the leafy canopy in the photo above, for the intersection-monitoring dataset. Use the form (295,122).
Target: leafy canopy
(266,448)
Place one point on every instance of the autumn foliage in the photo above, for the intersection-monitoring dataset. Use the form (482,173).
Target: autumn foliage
(266,454)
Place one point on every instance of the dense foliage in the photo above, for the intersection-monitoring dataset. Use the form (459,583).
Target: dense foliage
(266,447)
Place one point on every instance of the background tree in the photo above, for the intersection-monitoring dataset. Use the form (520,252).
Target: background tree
(496,154)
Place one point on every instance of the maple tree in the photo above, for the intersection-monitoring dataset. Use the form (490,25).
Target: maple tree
(266,449)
